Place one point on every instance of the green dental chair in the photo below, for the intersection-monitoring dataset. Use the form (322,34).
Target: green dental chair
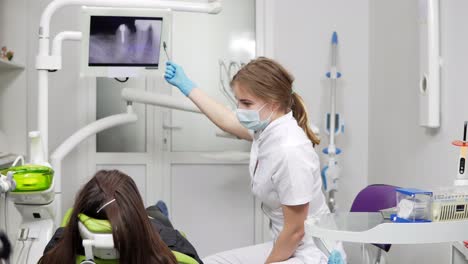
(97,234)
(34,184)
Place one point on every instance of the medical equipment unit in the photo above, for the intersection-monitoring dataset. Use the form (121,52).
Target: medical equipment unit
(31,188)
(334,126)
(462,176)
(413,205)
(452,203)
(442,204)
(32,193)
(120,42)
(139,28)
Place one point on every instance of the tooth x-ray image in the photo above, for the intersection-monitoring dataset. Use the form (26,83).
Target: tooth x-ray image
(124,41)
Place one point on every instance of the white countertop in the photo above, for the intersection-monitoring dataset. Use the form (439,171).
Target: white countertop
(372,228)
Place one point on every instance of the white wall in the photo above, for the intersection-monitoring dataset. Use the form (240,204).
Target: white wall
(401,152)
(13,90)
(302,37)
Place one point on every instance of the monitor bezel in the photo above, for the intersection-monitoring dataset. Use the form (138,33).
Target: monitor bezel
(121,70)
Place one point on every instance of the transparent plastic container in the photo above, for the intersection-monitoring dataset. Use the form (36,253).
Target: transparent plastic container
(414,205)
(31,178)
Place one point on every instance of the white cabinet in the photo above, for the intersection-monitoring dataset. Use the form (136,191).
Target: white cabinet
(213,206)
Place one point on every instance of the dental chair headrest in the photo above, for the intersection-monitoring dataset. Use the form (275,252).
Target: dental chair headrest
(97,238)
(96,225)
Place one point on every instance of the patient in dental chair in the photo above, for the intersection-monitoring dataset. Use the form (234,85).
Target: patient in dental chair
(140,236)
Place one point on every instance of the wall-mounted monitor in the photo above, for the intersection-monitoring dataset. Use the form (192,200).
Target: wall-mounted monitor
(120,42)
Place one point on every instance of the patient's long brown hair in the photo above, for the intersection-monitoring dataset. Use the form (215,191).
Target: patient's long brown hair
(134,237)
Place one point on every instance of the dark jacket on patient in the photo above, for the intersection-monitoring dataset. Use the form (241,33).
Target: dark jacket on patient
(171,237)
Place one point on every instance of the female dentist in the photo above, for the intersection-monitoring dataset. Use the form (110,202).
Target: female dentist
(284,167)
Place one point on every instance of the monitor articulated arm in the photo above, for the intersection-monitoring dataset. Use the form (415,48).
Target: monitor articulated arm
(167,101)
(44,62)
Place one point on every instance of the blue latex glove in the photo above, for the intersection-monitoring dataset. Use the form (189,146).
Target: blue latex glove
(335,258)
(175,75)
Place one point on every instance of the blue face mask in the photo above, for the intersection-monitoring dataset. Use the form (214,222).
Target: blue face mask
(250,119)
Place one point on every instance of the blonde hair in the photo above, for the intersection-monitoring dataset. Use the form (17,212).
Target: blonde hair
(267,79)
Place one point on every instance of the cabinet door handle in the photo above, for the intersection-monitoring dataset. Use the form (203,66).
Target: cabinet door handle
(172,127)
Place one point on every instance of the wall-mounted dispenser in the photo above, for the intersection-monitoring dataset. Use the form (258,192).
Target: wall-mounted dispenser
(429,63)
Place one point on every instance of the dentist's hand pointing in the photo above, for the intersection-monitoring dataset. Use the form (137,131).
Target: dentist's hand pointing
(175,75)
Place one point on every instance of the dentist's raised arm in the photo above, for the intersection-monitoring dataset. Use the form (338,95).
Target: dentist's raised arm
(219,114)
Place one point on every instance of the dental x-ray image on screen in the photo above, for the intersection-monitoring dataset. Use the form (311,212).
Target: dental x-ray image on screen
(124,41)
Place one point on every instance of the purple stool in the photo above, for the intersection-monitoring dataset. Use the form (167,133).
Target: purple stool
(374,198)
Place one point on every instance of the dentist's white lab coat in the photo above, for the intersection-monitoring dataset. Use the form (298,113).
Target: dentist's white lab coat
(284,170)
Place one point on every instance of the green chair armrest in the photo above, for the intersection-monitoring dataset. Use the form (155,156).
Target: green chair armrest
(184,259)
(181,259)
(66,217)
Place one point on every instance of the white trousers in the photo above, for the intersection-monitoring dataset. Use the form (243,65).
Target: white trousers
(256,254)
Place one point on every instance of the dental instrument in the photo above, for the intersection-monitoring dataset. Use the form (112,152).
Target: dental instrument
(462,176)
(165,51)
(333,125)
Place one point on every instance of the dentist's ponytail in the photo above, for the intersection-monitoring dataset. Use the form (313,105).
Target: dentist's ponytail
(300,113)
(267,79)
